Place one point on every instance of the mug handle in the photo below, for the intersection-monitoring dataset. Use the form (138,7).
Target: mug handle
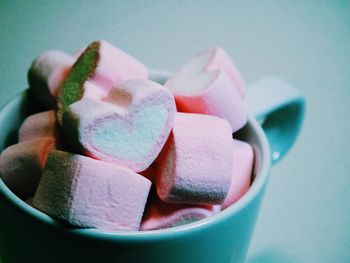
(279,108)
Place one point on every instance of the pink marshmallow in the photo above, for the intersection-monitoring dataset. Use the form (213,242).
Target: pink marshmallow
(210,84)
(100,67)
(129,129)
(42,124)
(221,60)
(21,165)
(159,215)
(115,66)
(243,162)
(90,193)
(47,73)
(195,166)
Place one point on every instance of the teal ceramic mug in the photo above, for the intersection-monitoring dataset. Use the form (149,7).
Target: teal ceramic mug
(28,235)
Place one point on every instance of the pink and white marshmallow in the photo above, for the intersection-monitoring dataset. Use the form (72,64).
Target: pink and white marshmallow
(159,215)
(243,162)
(128,129)
(21,165)
(210,84)
(100,67)
(195,167)
(47,73)
(90,193)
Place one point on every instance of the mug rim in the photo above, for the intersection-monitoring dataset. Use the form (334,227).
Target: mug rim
(161,234)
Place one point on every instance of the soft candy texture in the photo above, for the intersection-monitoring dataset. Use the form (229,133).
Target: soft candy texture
(90,193)
(159,215)
(42,124)
(210,84)
(21,165)
(129,129)
(47,73)
(195,167)
(243,161)
(100,67)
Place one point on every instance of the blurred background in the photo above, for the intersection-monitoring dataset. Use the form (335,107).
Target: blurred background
(305,216)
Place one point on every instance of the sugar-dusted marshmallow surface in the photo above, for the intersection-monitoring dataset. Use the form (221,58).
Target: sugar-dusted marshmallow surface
(47,73)
(129,128)
(243,162)
(210,84)
(21,165)
(42,124)
(159,215)
(100,67)
(91,193)
(195,167)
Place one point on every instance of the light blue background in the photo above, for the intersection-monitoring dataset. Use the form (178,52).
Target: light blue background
(305,216)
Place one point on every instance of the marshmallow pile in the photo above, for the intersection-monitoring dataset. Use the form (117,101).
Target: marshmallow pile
(117,151)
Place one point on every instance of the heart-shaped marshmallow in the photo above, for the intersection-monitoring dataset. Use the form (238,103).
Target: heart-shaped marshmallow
(97,70)
(129,128)
(210,84)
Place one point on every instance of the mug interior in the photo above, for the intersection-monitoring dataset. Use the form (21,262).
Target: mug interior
(25,104)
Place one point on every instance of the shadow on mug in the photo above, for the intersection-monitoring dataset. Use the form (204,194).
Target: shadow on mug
(28,235)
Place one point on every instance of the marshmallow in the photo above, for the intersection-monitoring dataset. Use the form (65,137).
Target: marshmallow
(128,129)
(21,165)
(210,84)
(243,161)
(47,73)
(42,124)
(159,215)
(195,166)
(90,193)
(100,67)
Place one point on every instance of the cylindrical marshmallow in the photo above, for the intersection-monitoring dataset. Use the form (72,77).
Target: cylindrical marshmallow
(42,124)
(90,193)
(21,165)
(47,73)
(159,215)
(243,162)
(195,166)
(210,84)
